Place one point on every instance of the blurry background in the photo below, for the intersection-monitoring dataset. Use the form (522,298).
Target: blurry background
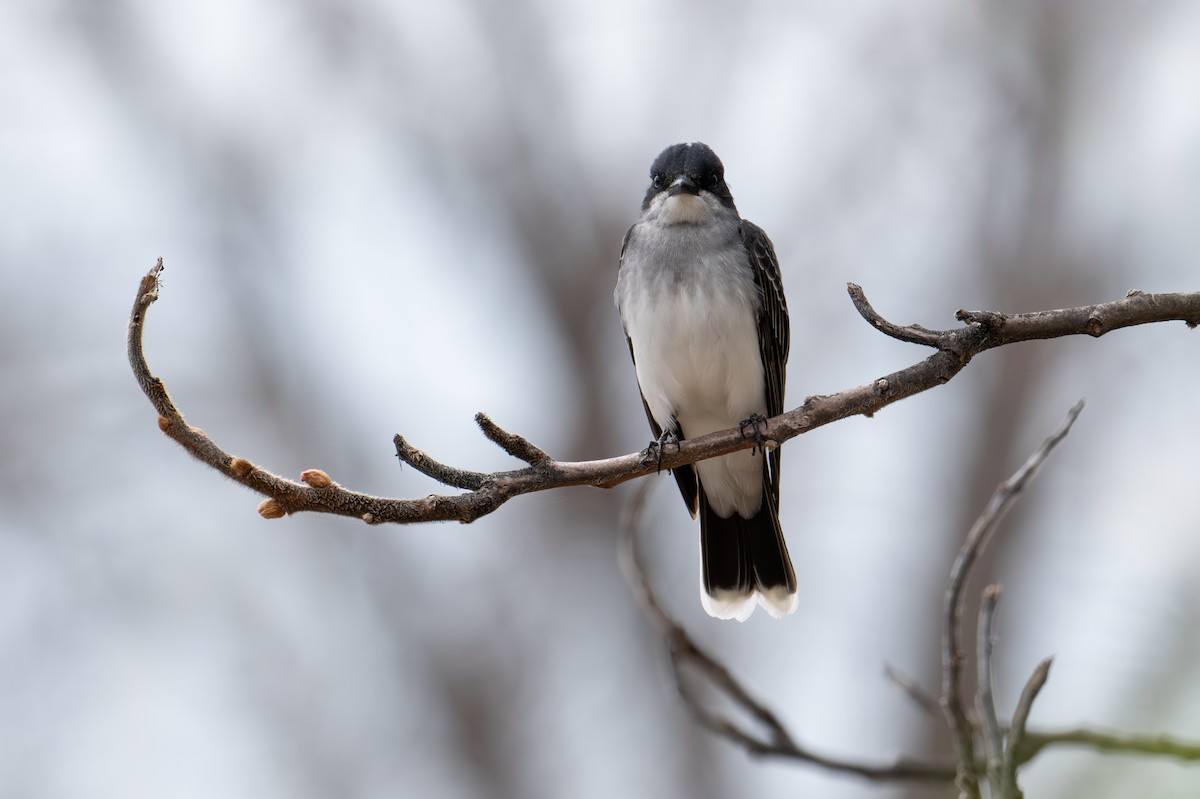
(383,217)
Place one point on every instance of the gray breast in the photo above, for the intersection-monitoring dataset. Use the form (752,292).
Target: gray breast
(709,260)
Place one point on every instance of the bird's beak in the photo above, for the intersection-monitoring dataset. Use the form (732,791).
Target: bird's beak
(683,185)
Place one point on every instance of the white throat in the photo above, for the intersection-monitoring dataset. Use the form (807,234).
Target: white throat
(686,209)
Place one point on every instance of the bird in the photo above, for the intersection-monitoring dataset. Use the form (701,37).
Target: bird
(701,302)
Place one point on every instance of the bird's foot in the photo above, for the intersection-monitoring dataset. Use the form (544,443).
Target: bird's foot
(659,445)
(756,424)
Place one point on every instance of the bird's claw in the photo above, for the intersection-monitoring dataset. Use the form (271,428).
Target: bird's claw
(757,423)
(659,445)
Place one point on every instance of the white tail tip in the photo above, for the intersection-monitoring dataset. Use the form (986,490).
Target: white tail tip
(777,601)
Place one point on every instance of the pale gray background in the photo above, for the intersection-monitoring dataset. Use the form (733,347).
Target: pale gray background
(383,217)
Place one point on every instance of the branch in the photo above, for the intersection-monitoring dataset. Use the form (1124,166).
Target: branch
(1016,732)
(993,736)
(952,655)
(1154,745)
(920,697)
(485,492)
(773,738)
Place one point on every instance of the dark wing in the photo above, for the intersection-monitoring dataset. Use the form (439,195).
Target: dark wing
(774,331)
(685,476)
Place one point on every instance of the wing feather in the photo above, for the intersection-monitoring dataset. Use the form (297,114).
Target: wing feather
(774,328)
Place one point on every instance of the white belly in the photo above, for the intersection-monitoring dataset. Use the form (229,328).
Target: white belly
(698,360)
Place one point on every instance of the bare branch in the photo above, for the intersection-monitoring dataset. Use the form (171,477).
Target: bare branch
(1137,308)
(773,739)
(514,445)
(446,475)
(1156,745)
(993,736)
(920,697)
(913,334)
(952,655)
(1008,782)
(485,492)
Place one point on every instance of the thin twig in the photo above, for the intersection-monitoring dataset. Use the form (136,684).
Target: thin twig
(993,736)
(513,444)
(1155,745)
(920,697)
(485,492)
(446,475)
(913,334)
(952,701)
(1016,732)
(773,738)
(629,557)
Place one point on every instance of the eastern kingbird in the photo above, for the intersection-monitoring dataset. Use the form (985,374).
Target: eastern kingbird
(702,305)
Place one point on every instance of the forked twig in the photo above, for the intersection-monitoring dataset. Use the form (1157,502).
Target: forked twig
(953,703)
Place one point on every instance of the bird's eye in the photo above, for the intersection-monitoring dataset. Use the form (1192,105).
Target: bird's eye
(714,180)
(657,179)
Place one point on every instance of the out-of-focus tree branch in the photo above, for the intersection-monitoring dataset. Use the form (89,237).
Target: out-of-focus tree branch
(773,737)
(1005,747)
(963,728)
(485,492)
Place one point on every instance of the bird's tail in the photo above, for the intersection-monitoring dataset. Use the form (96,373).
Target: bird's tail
(744,560)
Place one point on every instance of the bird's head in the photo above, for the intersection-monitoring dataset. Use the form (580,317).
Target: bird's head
(687,185)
